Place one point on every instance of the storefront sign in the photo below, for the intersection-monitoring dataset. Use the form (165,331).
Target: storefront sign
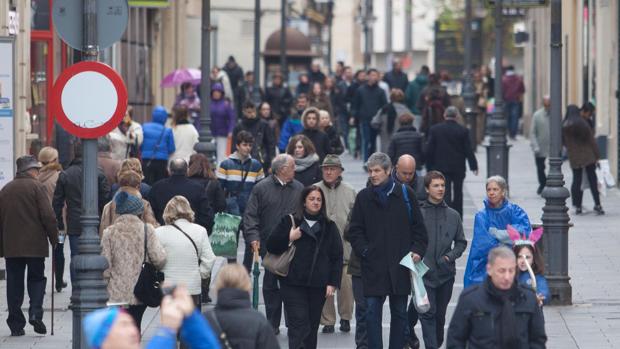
(7,107)
(149,3)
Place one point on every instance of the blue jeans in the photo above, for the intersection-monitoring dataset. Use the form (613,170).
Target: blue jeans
(513,113)
(361,337)
(369,140)
(433,321)
(398,321)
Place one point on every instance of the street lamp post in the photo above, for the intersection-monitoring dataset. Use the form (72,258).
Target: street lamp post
(469,93)
(366,22)
(89,291)
(205,146)
(283,63)
(330,21)
(255,91)
(555,213)
(497,149)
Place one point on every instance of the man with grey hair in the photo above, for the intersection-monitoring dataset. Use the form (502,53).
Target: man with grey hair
(386,225)
(271,199)
(486,314)
(540,140)
(178,184)
(447,148)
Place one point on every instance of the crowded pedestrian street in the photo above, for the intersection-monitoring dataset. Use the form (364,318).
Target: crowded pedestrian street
(591,322)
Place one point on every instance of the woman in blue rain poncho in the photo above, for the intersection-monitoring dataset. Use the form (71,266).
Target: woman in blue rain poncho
(490,228)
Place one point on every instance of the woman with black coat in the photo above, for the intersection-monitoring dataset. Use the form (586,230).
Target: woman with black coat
(200,171)
(310,122)
(307,163)
(335,143)
(315,270)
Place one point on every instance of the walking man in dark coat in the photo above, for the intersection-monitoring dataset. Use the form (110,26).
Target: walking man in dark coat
(447,149)
(498,313)
(405,172)
(386,225)
(27,223)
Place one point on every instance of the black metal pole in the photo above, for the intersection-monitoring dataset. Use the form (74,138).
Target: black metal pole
(555,213)
(283,63)
(89,292)
(330,21)
(256,92)
(366,22)
(497,149)
(206,145)
(408,26)
(469,92)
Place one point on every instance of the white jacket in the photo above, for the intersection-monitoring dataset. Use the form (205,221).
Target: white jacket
(182,264)
(119,142)
(185,138)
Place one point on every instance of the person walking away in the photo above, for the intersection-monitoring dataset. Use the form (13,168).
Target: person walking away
(200,171)
(540,141)
(386,120)
(129,183)
(446,243)
(123,245)
(105,161)
(293,125)
(237,175)
(315,269)
(513,90)
(27,223)
(339,200)
(519,322)
(125,140)
(48,176)
(434,100)
(312,130)
(407,140)
(270,200)
(132,164)
(490,225)
(386,225)
(223,119)
(157,146)
(583,154)
(413,92)
(233,287)
(279,98)
(405,173)
(184,134)
(307,161)
(447,148)
(369,98)
(179,237)
(319,99)
(188,98)
(264,146)
(325,125)
(179,184)
(396,78)
(68,192)
(245,93)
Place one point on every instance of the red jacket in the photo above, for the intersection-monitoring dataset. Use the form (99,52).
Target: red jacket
(512,88)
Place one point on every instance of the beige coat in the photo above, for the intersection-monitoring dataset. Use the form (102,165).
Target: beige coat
(122,245)
(48,176)
(108,215)
(339,203)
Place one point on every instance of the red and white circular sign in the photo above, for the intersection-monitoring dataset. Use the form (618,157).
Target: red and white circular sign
(89,99)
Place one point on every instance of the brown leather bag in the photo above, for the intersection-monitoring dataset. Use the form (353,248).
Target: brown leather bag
(279,264)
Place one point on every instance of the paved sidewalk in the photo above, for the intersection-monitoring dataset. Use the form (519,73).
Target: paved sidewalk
(592,322)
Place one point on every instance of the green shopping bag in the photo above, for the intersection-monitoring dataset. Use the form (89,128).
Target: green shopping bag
(352,139)
(224,236)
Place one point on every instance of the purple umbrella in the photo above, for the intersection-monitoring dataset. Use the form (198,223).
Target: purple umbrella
(180,76)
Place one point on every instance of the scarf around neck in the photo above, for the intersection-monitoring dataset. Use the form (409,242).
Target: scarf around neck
(383,190)
(304,163)
(508,323)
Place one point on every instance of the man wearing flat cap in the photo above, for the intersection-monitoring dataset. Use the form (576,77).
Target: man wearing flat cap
(339,200)
(27,224)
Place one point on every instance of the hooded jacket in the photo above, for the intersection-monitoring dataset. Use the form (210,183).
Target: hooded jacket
(158,141)
(413,92)
(222,113)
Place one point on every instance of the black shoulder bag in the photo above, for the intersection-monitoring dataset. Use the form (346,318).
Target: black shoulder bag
(212,317)
(156,148)
(148,287)
(190,239)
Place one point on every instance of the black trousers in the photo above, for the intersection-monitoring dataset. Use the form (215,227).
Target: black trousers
(303,306)
(434,320)
(577,193)
(540,171)
(136,312)
(454,191)
(154,170)
(35,280)
(273,299)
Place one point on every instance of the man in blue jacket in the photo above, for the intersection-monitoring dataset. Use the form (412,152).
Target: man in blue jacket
(157,146)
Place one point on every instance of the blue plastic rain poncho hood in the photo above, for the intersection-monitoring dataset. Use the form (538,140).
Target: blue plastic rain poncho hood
(486,221)
(159,115)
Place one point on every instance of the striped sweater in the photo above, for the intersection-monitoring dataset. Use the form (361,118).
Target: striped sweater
(231,172)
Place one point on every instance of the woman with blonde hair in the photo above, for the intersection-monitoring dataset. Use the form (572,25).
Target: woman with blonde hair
(233,308)
(326,125)
(190,257)
(132,164)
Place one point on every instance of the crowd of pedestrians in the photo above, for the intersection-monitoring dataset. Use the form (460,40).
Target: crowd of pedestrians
(279,171)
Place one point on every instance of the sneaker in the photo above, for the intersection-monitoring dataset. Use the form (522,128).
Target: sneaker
(39,326)
(60,285)
(578,210)
(413,343)
(599,210)
(345,326)
(18,333)
(328,329)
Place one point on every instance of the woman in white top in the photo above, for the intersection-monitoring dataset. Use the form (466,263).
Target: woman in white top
(188,261)
(125,140)
(184,133)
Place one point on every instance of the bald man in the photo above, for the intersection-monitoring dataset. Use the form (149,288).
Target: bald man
(405,172)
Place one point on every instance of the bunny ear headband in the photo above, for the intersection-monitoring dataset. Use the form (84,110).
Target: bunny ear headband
(520,239)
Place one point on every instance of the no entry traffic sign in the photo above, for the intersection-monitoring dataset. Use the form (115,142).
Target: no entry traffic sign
(89,99)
